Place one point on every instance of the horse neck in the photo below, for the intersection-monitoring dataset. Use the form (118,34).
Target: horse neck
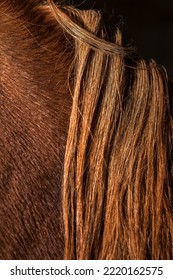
(35,57)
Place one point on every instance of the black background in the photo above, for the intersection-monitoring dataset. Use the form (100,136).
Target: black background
(148,24)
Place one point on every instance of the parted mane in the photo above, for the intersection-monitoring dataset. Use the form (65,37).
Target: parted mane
(87,141)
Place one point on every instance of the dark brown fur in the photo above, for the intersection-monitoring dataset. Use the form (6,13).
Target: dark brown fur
(34,113)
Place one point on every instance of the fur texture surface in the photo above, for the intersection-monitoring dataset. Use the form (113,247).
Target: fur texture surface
(86,140)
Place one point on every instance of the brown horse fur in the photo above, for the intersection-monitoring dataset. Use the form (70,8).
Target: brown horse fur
(35,105)
(86,140)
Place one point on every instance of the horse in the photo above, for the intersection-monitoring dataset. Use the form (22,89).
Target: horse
(86,140)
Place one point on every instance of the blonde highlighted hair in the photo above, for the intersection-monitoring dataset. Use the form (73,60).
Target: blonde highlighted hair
(117,172)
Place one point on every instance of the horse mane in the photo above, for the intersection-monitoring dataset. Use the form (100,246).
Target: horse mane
(86,138)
